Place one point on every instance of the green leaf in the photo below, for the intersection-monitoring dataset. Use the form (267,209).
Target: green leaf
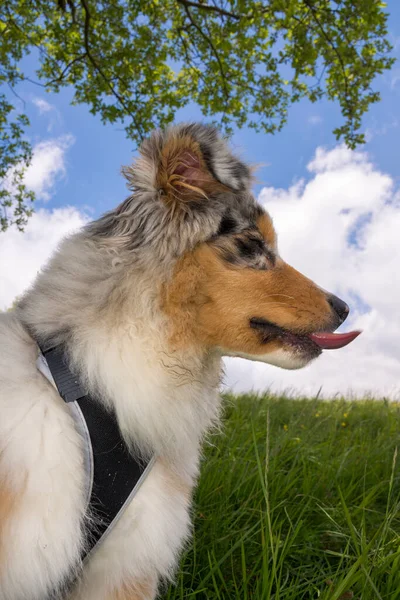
(138,62)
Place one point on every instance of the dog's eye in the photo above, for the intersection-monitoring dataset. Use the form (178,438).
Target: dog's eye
(254,252)
(250,247)
(227,225)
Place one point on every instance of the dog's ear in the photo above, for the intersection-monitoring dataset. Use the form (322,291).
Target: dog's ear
(187,163)
(183,174)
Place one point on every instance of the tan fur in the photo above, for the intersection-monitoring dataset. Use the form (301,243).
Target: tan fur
(139,591)
(212,301)
(175,482)
(264,224)
(181,298)
(281,295)
(174,155)
(8,506)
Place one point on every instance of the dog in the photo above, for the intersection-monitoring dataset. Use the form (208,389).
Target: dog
(145,302)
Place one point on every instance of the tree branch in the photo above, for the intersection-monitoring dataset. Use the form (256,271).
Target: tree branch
(213,48)
(330,42)
(16,95)
(68,66)
(100,70)
(207,7)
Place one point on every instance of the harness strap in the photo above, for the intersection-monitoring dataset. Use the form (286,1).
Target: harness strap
(117,474)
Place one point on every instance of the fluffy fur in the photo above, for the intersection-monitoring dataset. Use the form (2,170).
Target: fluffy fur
(146,301)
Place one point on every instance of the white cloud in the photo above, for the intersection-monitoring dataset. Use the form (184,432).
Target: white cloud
(381,129)
(341,228)
(22,254)
(47,166)
(42,105)
(315,120)
(49,111)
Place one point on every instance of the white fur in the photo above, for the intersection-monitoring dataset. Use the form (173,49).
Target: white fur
(279,358)
(160,406)
(41,463)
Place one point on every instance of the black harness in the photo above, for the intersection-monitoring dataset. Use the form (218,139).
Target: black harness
(117,474)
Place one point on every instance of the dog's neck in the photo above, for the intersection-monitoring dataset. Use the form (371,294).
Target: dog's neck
(164,401)
(116,337)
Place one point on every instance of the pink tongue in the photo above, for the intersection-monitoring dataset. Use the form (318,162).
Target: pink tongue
(331,341)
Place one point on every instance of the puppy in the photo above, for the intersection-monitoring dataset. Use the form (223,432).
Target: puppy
(144,302)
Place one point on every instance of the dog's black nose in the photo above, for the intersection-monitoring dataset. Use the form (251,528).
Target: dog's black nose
(340,307)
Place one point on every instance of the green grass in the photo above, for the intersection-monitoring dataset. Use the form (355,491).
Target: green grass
(298,499)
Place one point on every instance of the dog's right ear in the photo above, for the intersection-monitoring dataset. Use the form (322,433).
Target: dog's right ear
(183,175)
(187,163)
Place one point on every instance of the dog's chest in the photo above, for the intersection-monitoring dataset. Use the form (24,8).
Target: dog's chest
(145,544)
(146,541)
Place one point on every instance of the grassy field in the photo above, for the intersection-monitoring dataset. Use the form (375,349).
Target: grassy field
(298,499)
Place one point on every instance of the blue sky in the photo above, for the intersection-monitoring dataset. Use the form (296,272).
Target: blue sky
(337,214)
(95,158)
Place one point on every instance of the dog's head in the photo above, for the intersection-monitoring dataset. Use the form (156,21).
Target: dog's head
(229,288)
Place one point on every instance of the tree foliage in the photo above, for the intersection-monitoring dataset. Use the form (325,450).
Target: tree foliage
(136,62)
